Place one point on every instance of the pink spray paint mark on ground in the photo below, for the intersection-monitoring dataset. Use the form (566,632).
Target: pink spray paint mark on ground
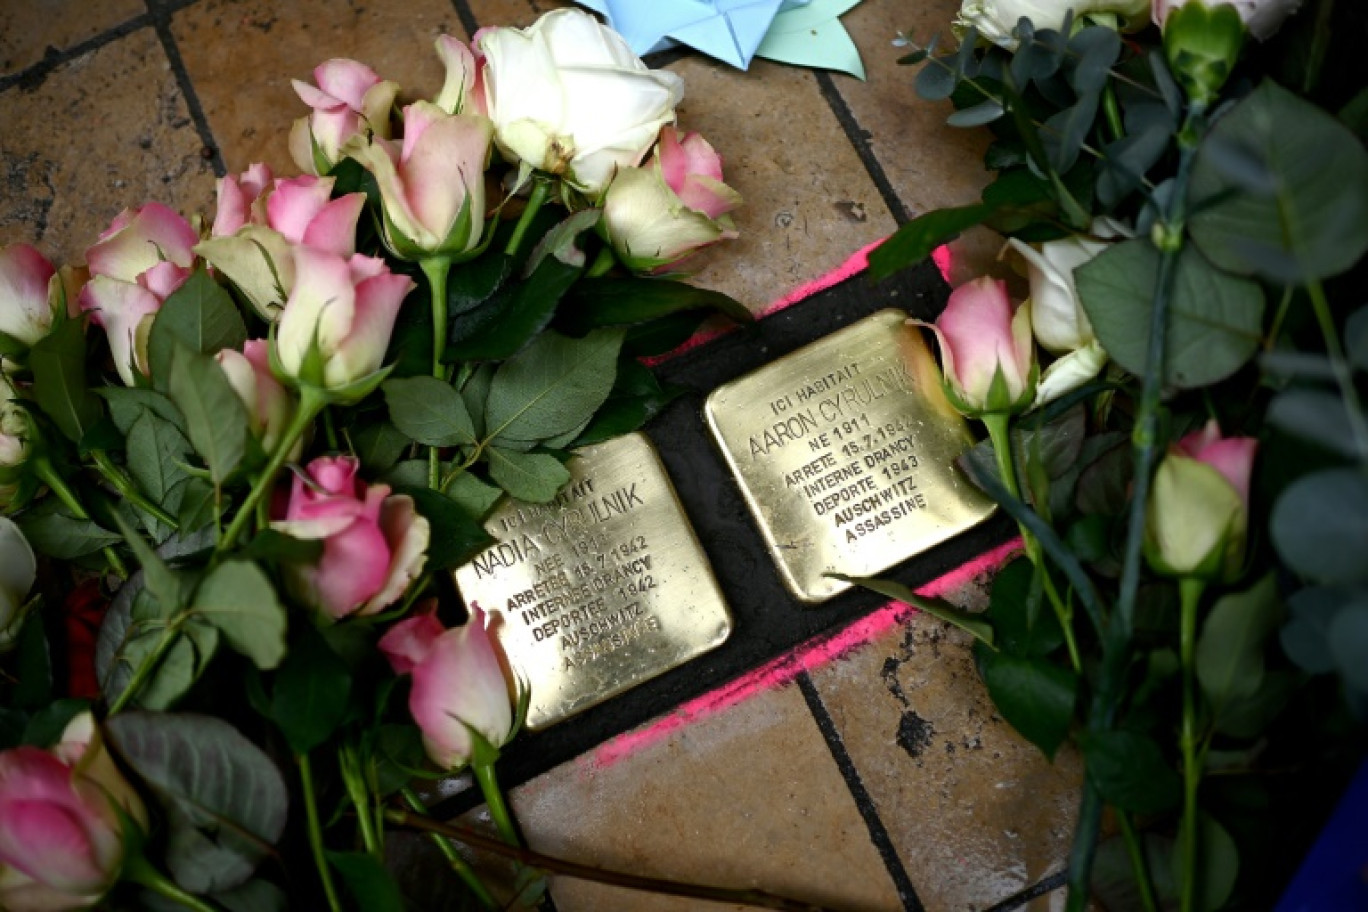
(815,653)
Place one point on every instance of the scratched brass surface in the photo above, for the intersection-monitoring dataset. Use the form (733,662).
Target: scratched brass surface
(601,589)
(844,451)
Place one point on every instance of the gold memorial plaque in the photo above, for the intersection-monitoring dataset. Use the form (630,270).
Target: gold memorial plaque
(601,589)
(844,451)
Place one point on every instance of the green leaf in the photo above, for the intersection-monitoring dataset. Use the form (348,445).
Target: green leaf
(215,420)
(197,505)
(1320,526)
(1314,223)
(180,666)
(370,883)
(1035,696)
(311,691)
(31,664)
(200,316)
(156,452)
(429,411)
(59,380)
(938,608)
(45,726)
(1230,651)
(1014,608)
(225,801)
(456,535)
(1249,717)
(514,317)
(379,446)
(1215,319)
(1218,863)
(238,599)
(1130,771)
(552,386)
(531,477)
(127,404)
(160,581)
(606,302)
(51,530)
(637,396)
(474,496)
(914,241)
(272,547)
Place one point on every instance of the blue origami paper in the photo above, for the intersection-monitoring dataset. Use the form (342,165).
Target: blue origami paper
(812,35)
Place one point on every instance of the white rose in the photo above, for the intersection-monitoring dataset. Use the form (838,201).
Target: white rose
(1261,17)
(995,19)
(567,96)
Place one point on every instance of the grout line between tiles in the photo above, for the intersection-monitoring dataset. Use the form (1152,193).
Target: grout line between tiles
(859,138)
(878,834)
(1017,900)
(161,11)
(32,76)
(467,17)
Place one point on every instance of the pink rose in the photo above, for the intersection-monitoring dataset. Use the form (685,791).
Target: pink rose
(374,544)
(348,100)
(432,187)
(1198,512)
(658,215)
(269,406)
(459,684)
(260,222)
(987,352)
(28,300)
(61,839)
(137,263)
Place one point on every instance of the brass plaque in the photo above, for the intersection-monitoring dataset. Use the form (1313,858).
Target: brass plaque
(844,451)
(601,589)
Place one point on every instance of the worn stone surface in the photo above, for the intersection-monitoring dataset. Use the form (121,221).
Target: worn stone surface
(272,43)
(31,30)
(976,813)
(106,131)
(748,797)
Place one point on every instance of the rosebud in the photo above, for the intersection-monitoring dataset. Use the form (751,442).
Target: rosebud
(1198,511)
(259,223)
(61,835)
(338,319)
(658,215)
(460,685)
(987,354)
(29,298)
(568,97)
(141,259)
(463,89)
(16,437)
(349,100)
(1202,44)
(374,543)
(18,572)
(269,406)
(1261,17)
(432,190)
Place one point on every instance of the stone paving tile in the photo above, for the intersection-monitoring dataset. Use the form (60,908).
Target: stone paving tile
(975,812)
(30,30)
(749,797)
(103,132)
(928,164)
(809,202)
(242,54)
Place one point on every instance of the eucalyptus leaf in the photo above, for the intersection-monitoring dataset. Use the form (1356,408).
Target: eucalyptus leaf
(200,316)
(429,411)
(1095,49)
(1314,222)
(1215,319)
(1065,131)
(530,477)
(225,801)
(1034,695)
(551,387)
(238,599)
(1230,650)
(1356,337)
(980,114)
(1320,417)
(1218,863)
(1306,637)
(59,380)
(1320,526)
(215,420)
(1348,637)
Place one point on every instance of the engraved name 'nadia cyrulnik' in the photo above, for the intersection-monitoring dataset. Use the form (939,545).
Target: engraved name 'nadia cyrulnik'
(844,451)
(602,588)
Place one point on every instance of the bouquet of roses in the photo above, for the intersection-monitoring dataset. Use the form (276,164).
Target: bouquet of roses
(289,431)
(1174,416)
